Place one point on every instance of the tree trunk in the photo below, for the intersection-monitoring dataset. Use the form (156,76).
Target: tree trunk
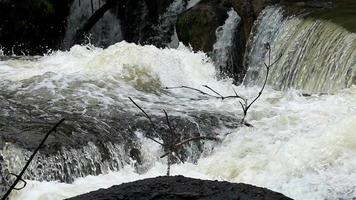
(98,14)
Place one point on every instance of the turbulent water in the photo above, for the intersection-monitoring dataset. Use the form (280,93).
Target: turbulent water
(301,145)
(317,55)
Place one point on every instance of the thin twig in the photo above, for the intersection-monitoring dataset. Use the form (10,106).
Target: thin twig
(19,176)
(193,139)
(207,94)
(168,122)
(213,91)
(191,88)
(149,118)
(170,147)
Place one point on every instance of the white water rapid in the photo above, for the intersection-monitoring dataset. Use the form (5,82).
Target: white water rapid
(301,146)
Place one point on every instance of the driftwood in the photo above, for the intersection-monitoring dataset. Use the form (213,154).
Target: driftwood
(171,146)
(19,176)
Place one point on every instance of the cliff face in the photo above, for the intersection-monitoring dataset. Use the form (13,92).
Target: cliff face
(182,188)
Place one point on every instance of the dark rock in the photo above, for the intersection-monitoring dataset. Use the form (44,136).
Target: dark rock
(32,26)
(89,143)
(141,22)
(182,188)
(197,25)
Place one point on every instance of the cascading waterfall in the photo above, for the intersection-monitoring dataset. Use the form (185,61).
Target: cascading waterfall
(317,55)
(99,135)
(224,49)
(300,146)
(66,164)
(105,32)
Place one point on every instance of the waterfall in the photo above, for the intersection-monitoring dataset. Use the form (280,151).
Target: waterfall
(225,50)
(302,146)
(103,130)
(317,55)
(66,164)
(105,32)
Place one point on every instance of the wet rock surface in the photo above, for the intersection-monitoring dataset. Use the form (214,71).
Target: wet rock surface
(197,26)
(89,144)
(182,188)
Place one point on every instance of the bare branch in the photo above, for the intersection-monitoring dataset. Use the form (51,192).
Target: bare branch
(151,138)
(168,123)
(169,163)
(178,157)
(193,139)
(213,91)
(170,146)
(266,78)
(19,176)
(279,57)
(147,116)
(190,88)
(207,94)
(165,154)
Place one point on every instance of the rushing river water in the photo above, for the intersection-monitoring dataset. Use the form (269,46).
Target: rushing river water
(301,145)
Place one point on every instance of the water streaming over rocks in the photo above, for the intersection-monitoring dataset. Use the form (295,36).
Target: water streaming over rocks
(225,52)
(317,55)
(91,89)
(301,146)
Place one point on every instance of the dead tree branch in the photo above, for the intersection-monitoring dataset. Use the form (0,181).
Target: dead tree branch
(242,100)
(19,176)
(172,145)
(245,106)
(153,125)
(218,95)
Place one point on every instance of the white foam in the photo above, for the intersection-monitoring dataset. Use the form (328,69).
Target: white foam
(301,146)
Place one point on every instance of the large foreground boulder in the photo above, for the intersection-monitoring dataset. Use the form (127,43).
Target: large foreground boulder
(182,188)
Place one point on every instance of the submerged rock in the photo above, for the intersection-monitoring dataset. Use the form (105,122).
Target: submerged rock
(180,188)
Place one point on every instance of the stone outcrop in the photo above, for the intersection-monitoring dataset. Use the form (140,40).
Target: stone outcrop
(197,26)
(182,188)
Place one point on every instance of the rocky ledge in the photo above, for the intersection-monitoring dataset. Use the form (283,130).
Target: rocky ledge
(182,188)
